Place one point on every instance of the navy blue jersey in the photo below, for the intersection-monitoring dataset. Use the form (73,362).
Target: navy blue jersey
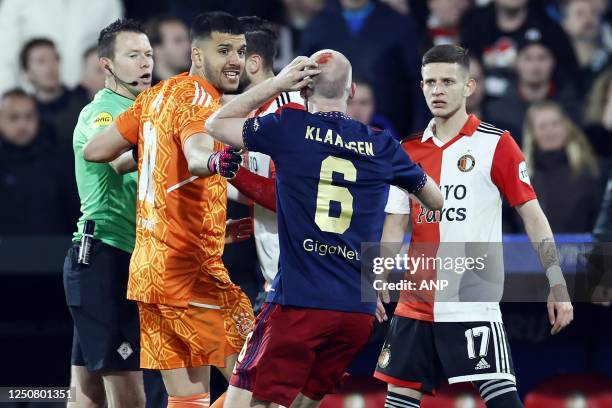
(332,183)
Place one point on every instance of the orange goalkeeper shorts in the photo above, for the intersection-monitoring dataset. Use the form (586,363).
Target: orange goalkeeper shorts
(176,337)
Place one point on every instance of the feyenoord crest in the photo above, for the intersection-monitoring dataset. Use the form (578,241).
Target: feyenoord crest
(466,163)
(385,357)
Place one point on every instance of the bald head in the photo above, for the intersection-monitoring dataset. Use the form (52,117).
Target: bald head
(334,81)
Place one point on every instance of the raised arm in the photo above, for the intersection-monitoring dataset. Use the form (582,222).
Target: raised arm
(560,310)
(226,124)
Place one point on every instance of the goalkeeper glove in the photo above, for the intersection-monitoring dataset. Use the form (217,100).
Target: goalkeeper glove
(225,162)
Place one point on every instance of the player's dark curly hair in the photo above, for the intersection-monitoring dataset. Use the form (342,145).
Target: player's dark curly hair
(447,53)
(106,40)
(218,21)
(260,38)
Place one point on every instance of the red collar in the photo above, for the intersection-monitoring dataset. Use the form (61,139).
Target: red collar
(468,128)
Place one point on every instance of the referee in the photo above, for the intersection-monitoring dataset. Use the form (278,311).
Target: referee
(106,343)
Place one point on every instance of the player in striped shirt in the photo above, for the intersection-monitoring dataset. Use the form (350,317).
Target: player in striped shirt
(457,333)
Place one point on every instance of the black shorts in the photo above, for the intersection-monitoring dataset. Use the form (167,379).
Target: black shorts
(106,324)
(419,354)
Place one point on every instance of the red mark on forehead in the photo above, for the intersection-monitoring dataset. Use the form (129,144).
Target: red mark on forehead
(324,58)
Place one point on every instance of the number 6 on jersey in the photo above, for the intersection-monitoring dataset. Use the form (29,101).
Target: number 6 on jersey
(327,192)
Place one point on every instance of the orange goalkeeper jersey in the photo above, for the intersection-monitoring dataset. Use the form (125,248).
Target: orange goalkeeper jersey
(180,226)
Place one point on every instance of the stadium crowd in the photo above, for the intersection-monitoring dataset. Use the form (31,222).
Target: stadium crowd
(543,70)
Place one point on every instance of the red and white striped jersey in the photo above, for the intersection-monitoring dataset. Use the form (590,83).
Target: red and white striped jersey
(474,170)
(264,220)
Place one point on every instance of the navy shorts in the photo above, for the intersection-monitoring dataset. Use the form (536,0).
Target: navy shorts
(106,324)
(419,354)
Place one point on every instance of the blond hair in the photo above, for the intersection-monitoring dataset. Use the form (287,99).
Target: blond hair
(598,97)
(577,148)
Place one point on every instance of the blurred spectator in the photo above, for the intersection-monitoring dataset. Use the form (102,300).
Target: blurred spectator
(57,105)
(72,24)
(362,107)
(401,6)
(144,10)
(598,116)
(443,22)
(475,102)
(36,180)
(169,38)
(187,10)
(374,38)
(293,17)
(535,65)
(599,273)
(603,8)
(92,78)
(495,33)
(563,168)
(581,23)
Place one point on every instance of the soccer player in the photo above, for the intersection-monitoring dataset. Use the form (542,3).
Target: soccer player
(476,164)
(191,315)
(257,182)
(106,341)
(332,176)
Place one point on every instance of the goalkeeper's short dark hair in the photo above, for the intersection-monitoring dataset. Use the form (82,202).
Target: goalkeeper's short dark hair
(215,21)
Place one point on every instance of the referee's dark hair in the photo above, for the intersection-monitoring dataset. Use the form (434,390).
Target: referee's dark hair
(106,39)
(447,53)
(260,39)
(215,21)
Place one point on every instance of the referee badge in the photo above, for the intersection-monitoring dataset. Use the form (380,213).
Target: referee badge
(102,120)
(466,163)
(125,350)
(385,357)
